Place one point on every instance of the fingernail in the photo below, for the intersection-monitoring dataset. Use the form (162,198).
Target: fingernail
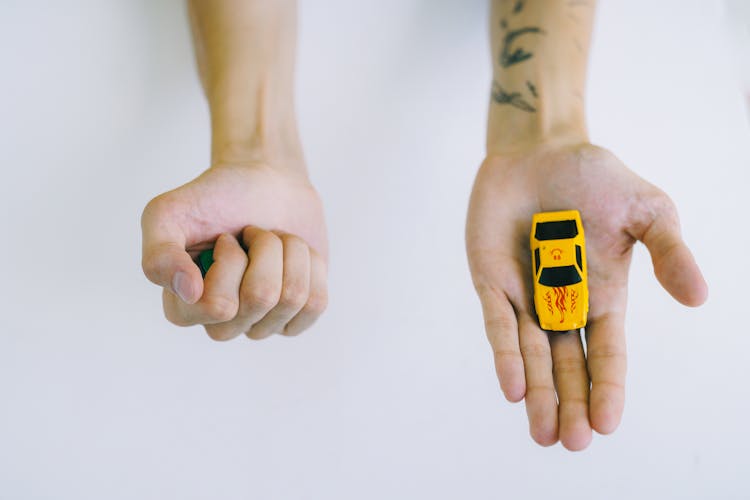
(181,286)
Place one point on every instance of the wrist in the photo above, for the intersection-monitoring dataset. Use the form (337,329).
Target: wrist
(513,132)
(539,72)
(550,110)
(253,122)
(245,55)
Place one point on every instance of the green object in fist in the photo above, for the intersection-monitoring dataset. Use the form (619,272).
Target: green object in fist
(205,259)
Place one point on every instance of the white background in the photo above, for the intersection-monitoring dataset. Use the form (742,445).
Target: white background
(392,394)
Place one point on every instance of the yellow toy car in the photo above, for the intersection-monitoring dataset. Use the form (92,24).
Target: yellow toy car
(558,254)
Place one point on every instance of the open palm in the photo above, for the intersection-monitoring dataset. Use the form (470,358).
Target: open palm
(568,392)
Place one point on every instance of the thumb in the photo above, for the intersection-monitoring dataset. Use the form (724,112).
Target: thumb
(674,264)
(164,259)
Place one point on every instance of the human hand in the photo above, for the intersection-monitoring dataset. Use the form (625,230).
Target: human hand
(274,282)
(617,208)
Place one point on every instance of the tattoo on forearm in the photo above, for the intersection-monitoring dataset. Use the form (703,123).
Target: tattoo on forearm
(502,96)
(531,88)
(508,56)
(511,54)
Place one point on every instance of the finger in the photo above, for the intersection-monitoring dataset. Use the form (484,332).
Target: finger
(572,384)
(261,284)
(220,299)
(316,301)
(295,289)
(502,331)
(607,365)
(164,259)
(541,403)
(674,264)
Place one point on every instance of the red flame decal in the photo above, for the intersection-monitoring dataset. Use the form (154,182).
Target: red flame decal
(561,293)
(548,300)
(573,297)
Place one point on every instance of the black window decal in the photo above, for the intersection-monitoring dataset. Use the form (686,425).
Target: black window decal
(560,276)
(557,230)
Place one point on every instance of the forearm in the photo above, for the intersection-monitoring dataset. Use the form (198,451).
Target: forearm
(245,53)
(539,54)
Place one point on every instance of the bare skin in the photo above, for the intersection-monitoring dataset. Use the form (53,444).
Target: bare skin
(255,204)
(539,159)
(619,208)
(283,290)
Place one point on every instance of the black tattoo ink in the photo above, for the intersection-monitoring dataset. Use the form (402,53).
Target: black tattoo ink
(532,88)
(510,57)
(502,96)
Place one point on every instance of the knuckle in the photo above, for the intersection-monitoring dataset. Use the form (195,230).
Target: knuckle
(606,353)
(540,390)
(499,324)
(535,351)
(662,201)
(317,303)
(662,207)
(292,240)
(149,265)
(608,386)
(564,366)
(260,296)
(504,356)
(486,290)
(152,261)
(156,208)
(237,254)
(574,400)
(221,308)
(295,246)
(596,155)
(294,295)
(268,238)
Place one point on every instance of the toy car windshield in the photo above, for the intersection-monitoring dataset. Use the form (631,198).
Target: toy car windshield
(559,276)
(556,230)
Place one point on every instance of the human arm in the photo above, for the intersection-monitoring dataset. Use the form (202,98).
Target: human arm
(256,191)
(539,158)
